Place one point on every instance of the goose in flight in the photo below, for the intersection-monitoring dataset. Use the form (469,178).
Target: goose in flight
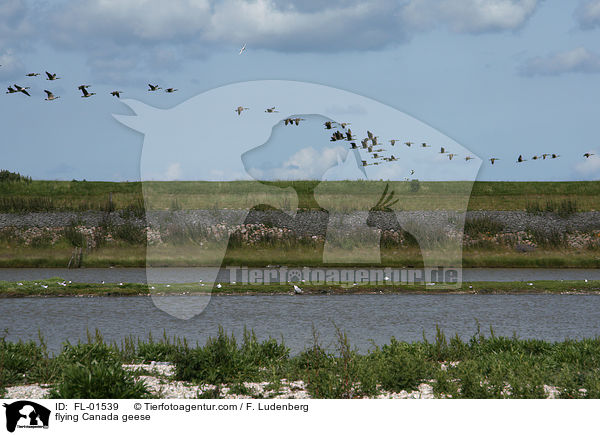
(271,110)
(51,76)
(22,90)
(369,134)
(328,125)
(297,121)
(32,74)
(51,96)
(393,141)
(424,145)
(521,159)
(349,135)
(364,143)
(364,163)
(451,155)
(468,158)
(555,156)
(242,49)
(588,155)
(240,109)
(171,90)
(535,157)
(493,159)
(116,94)
(442,150)
(344,124)
(353,145)
(412,172)
(544,156)
(408,144)
(84,91)
(153,87)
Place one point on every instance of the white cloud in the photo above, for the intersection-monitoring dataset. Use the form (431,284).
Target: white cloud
(470,16)
(306,164)
(588,14)
(576,60)
(590,166)
(12,67)
(173,172)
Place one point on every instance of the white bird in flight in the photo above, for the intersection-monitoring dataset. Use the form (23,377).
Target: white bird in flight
(242,49)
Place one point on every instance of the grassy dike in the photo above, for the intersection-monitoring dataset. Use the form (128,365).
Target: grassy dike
(53,288)
(484,366)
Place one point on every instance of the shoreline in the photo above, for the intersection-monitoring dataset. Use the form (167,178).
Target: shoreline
(56,287)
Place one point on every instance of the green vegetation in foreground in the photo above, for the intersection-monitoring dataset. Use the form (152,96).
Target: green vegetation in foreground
(38,195)
(480,367)
(184,256)
(52,287)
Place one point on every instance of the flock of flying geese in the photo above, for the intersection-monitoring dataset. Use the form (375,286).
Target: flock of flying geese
(375,149)
(370,143)
(15,89)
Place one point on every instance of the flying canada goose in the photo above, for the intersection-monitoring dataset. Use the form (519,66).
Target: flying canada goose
(369,149)
(392,158)
(116,94)
(328,125)
(11,90)
(364,163)
(408,144)
(521,159)
(393,141)
(152,88)
(535,157)
(297,121)
(442,150)
(364,143)
(588,155)
(51,96)
(493,159)
(271,110)
(336,136)
(86,94)
(349,135)
(240,109)
(374,140)
(451,155)
(424,145)
(353,145)
(468,158)
(51,76)
(369,134)
(242,49)
(32,75)
(171,90)
(344,124)
(555,156)
(544,156)
(412,171)
(22,90)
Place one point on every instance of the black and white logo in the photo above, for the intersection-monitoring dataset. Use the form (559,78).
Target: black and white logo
(25,414)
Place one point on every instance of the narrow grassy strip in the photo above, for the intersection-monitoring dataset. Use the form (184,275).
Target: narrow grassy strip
(58,287)
(482,366)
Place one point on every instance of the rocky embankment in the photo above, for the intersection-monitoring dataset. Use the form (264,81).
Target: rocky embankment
(312,222)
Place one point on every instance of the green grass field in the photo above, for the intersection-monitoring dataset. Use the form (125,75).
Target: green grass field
(333,195)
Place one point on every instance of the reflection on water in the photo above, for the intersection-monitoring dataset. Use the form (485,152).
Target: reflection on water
(367,319)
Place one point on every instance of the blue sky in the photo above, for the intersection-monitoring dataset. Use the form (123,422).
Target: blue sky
(499,77)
